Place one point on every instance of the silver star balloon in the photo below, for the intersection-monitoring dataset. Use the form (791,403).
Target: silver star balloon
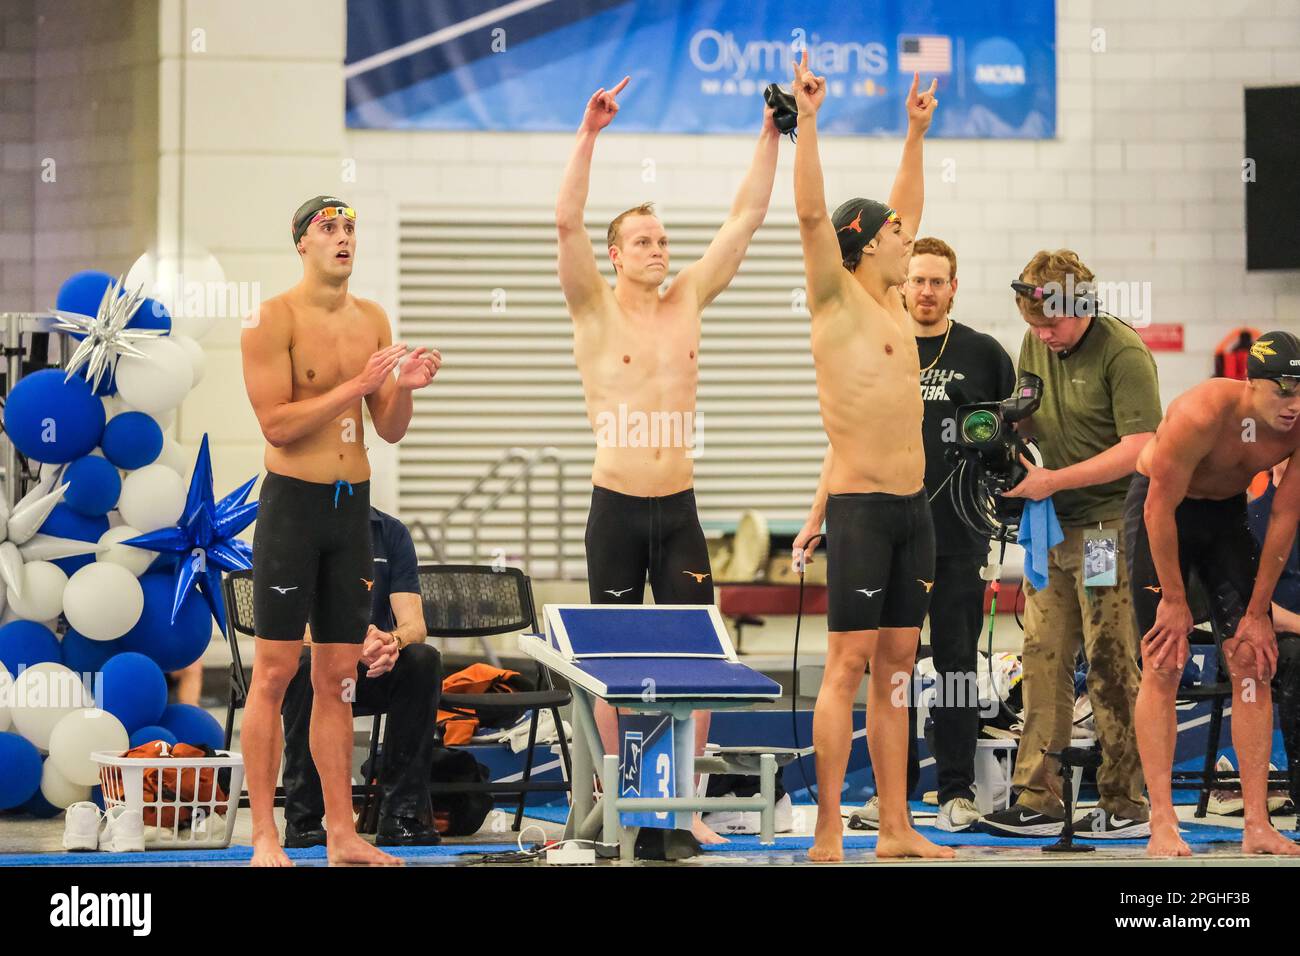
(19,540)
(106,335)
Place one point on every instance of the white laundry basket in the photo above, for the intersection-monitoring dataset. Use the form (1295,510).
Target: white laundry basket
(204,821)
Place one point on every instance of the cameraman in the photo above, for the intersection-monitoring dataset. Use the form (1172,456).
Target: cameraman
(958,365)
(1101,405)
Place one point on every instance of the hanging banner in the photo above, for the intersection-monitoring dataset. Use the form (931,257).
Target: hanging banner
(698,66)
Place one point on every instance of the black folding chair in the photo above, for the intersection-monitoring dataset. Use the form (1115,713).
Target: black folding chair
(465,600)
(237,592)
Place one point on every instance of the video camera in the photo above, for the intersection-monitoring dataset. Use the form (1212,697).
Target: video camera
(987,458)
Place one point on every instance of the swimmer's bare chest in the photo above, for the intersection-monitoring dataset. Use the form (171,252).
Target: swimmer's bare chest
(648,366)
(1238,456)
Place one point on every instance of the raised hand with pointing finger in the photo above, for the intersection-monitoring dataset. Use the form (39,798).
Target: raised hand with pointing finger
(602,107)
(809,89)
(920,106)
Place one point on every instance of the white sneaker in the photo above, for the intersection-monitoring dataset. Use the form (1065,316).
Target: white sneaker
(868,817)
(123,831)
(81,827)
(957,815)
(750,821)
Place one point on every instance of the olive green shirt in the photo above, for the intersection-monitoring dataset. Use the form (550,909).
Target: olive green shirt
(1101,390)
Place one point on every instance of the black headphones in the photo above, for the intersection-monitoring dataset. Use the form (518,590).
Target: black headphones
(1082,306)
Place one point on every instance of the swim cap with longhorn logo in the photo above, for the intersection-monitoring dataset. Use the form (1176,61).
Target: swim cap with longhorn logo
(856,223)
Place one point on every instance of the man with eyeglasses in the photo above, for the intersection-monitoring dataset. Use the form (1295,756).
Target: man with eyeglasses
(1187,511)
(311,355)
(958,365)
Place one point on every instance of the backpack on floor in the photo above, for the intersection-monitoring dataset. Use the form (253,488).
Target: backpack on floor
(458,814)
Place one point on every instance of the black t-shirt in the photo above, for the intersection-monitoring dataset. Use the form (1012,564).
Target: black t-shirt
(974,367)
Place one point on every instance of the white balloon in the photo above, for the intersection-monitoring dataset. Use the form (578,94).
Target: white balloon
(78,735)
(193,288)
(195,351)
(152,497)
(6,695)
(58,790)
(135,560)
(42,596)
(42,695)
(103,601)
(173,456)
(159,380)
(165,419)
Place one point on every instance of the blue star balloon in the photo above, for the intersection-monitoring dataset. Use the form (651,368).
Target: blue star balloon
(206,531)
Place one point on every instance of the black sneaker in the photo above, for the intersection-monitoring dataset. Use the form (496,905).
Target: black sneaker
(1098,824)
(405,831)
(301,837)
(1018,821)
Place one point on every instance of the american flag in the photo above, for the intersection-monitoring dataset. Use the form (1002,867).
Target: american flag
(925,54)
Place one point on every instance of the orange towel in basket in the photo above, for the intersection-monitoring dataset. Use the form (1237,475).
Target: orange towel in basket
(169,787)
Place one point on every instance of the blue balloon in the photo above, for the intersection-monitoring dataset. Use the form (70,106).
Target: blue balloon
(64,522)
(97,796)
(83,291)
(25,643)
(84,656)
(193,725)
(50,420)
(151,733)
(94,488)
(132,440)
(20,770)
(133,690)
(152,314)
(171,646)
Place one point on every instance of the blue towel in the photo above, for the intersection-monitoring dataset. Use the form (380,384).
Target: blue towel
(1039,533)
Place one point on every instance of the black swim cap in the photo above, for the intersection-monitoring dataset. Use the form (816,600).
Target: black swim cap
(856,223)
(1275,355)
(302,218)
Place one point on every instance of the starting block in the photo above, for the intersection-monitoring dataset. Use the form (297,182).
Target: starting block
(665,660)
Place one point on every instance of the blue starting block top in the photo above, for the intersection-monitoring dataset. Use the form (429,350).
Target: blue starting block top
(621,653)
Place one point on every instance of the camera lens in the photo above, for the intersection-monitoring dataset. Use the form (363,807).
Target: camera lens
(980,427)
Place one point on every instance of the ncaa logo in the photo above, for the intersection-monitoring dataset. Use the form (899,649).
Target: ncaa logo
(998,67)
(633,747)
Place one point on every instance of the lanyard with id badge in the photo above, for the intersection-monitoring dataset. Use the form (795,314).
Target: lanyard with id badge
(1100,557)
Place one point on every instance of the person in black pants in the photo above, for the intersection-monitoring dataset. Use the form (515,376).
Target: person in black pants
(1286,622)
(958,366)
(399,674)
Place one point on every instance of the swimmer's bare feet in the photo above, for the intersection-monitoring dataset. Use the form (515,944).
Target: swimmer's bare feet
(1165,839)
(704,833)
(893,844)
(828,839)
(268,852)
(1263,839)
(351,850)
